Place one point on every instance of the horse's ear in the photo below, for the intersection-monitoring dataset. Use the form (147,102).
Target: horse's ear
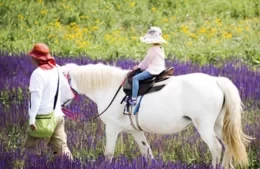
(62,68)
(65,69)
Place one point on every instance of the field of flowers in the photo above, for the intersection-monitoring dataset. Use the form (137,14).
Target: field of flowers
(198,30)
(217,37)
(86,140)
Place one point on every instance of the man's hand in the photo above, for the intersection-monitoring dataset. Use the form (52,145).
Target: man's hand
(33,127)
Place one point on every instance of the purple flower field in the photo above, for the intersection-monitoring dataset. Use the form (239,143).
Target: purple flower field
(86,139)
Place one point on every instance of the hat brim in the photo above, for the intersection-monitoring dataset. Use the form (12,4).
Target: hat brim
(152,40)
(40,56)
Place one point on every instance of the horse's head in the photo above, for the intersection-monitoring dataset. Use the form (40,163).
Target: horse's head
(67,68)
(66,72)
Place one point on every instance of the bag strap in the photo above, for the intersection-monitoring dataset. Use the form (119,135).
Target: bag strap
(57,91)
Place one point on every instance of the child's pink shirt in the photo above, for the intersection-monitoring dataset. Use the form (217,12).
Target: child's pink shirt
(154,60)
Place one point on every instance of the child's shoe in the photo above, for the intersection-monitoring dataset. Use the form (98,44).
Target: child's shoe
(132,101)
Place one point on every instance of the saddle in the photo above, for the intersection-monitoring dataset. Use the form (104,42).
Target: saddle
(148,85)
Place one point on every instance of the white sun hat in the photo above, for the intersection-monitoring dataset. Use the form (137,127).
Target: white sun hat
(153,35)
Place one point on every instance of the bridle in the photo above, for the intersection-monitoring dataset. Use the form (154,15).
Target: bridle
(67,112)
(75,93)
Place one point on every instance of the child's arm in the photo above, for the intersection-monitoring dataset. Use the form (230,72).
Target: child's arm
(147,60)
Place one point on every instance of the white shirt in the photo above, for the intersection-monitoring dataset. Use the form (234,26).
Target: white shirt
(43,86)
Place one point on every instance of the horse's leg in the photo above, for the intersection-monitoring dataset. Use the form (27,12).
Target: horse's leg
(143,144)
(206,131)
(111,138)
(227,159)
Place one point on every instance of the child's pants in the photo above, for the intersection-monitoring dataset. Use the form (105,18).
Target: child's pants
(135,83)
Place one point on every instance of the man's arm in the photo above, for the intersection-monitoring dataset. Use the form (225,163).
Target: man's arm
(36,89)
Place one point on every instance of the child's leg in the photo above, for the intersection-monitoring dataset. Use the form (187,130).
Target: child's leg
(135,84)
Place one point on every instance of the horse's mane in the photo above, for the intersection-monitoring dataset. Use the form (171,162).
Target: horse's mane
(96,76)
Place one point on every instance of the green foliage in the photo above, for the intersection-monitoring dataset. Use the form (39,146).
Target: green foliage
(197,30)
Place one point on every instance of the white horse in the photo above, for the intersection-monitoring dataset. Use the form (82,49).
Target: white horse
(211,104)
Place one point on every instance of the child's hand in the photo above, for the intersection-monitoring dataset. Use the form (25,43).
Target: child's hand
(135,67)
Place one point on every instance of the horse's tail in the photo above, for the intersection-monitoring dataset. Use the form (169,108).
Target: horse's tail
(233,136)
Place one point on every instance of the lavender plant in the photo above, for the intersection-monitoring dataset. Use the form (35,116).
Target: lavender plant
(86,140)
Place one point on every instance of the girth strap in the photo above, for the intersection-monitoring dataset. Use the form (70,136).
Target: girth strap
(137,122)
(128,109)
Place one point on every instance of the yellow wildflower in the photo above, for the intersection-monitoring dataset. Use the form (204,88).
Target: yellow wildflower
(107,37)
(173,18)
(66,7)
(44,12)
(21,17)
(211,32)
(227,35)
(40,1)
(239,30)
(218,22)
(133,37)
(166,36)
(85,30)
(193,35)
(189,43)
(56,41)
(184,29)
(202,30)
(84,17)
(153,9)
(217,41)
(73,24)
(132,4)
(57,24)
(50,36)
(165,20)
(82,44)
(116,32)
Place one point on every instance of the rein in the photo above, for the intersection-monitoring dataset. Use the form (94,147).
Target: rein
(110,102)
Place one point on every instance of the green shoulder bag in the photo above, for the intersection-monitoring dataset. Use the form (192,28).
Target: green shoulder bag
(45,123)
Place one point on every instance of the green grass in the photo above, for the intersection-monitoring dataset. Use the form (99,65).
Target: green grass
(198,30)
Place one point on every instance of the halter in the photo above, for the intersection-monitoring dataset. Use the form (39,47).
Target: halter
(67,112)
(72,89)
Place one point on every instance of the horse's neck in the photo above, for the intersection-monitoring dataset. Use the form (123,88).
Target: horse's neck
(103,96)
(103,85)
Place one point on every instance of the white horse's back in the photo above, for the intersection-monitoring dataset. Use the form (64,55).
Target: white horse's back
(186,98)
